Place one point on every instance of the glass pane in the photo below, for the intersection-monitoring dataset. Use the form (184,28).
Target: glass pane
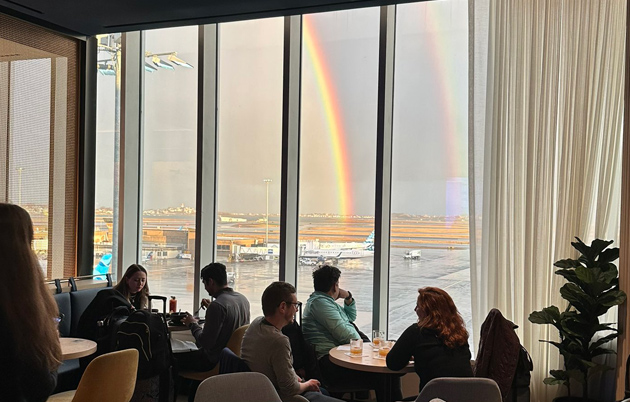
(169,162)
(338,151)
(250,143)
(107,140)
(29,146)
(429,245)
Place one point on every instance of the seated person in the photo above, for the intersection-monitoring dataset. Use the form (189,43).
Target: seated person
(134,286)
(224,315)
(327,324)
(267,350)
(438,342)
(29,341)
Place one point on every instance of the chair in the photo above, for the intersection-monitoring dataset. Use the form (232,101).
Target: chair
(231,363)
(110,377)
(234,344)
(456,389)
(251,387)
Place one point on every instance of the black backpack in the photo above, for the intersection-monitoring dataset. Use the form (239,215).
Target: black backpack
(148,334)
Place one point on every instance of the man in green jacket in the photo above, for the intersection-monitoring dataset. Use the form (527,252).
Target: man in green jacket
(327,324)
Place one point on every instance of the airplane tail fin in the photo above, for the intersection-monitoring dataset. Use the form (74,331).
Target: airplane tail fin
(369,242)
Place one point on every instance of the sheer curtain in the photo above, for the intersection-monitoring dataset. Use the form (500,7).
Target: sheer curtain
(545,146)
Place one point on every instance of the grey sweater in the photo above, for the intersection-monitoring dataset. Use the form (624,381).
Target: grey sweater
(227,312)
(267,350)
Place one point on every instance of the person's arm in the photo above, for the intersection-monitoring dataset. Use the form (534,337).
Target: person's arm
(327,314)
(207,337)
(399,356)
(288,380)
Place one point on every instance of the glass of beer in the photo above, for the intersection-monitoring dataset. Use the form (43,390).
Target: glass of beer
(384,349)
(377,338)
(356,347)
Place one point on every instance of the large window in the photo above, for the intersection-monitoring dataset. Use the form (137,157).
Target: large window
(429,230)
(338,148)
(338,108)
(250,145)
(169,162)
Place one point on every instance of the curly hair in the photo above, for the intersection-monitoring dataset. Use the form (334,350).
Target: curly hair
(441,315)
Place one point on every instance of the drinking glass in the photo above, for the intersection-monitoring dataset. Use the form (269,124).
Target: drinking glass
(384,349)
(377,338)
(356,347)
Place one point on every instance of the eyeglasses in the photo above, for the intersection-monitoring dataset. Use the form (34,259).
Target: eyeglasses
(297,304)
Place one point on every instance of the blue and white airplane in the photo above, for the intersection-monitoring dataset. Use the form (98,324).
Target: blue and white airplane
(343,253)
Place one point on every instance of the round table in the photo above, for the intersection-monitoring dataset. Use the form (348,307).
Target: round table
(369,362)
(73,348)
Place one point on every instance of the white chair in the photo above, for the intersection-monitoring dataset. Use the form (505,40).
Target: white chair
(251,387)
(452,389)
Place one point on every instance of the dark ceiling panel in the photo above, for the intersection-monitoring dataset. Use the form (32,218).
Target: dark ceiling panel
(91,17)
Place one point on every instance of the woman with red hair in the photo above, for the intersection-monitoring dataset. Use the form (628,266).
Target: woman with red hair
(438,342)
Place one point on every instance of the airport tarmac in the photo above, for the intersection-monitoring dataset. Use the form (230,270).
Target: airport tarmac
(448,269)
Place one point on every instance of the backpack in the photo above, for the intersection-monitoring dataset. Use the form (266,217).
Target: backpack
(304,356)
(148,334)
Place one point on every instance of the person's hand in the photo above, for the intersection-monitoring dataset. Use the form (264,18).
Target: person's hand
(312,385)
(205,303)
(189,319)
(343,293)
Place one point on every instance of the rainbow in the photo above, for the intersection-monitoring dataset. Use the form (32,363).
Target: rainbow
(332,112)
(437,17)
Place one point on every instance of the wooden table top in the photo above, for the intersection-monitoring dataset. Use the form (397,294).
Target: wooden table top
(73,348)
(367,362)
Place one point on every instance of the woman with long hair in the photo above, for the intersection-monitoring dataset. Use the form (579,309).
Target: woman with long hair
(134,286)
(29,340)
(438,342)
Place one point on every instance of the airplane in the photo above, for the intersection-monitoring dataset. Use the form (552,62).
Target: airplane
(344,253)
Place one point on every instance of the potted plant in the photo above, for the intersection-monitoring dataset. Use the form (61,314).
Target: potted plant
(592,289)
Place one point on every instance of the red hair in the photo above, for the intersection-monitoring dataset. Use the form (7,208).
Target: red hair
(441,315)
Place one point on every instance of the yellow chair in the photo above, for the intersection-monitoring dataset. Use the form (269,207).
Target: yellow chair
(234,344)
(109,378)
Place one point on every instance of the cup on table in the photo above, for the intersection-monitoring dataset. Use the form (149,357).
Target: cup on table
(356,347)
(377,338)
(384,348)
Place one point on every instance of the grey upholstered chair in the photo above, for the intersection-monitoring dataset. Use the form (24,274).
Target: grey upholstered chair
(251,387)
(452,389)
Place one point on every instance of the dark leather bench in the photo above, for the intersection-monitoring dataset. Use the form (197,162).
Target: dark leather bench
(71,306)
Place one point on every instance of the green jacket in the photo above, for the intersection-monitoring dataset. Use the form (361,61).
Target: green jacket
(326,324)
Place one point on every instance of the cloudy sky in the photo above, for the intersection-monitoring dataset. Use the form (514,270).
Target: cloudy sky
(338,118)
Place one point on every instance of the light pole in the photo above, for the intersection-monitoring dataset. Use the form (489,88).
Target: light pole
(267,181)
(19,170)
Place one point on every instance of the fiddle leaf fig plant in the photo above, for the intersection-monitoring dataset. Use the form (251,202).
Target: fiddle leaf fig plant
(592,288)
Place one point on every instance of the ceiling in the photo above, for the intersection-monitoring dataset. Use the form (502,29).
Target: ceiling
(91,17)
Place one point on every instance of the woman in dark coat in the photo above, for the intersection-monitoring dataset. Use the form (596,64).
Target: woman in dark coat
(438,342)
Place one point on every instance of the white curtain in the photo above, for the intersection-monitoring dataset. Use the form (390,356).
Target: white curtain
(545,153)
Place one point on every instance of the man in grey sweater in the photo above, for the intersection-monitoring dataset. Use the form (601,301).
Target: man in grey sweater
(267,350)
(224,315)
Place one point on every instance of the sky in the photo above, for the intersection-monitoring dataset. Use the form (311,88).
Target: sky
(338,114)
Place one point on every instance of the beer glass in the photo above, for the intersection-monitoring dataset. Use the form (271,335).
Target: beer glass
(377,338)
(384,349)
(356,347)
